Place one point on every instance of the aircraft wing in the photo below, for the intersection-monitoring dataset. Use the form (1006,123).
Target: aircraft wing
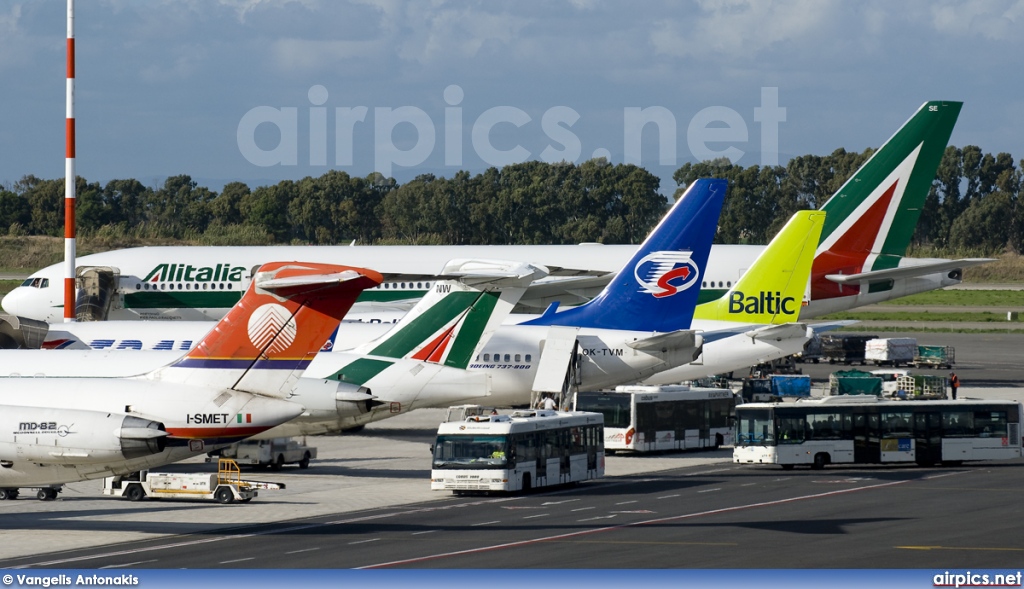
(907,271)
(567,291)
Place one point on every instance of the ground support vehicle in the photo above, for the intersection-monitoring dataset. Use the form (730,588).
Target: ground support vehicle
(224,486)
(812,351)
(865,429)
(662,418)
(48,493)
(844,349)
(518,452)
(890,351)
(854,382)
(273,453)
(935,356)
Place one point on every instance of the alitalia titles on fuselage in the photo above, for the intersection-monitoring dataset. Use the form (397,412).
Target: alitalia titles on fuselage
(190,273)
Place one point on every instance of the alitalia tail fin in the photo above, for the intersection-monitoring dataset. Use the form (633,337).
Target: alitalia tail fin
(772,290)
(872,217)
(269,337)
(657,289)
(451,323)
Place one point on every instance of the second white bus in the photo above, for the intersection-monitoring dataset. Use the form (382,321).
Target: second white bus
(517,452)
(859,430)
(653,418)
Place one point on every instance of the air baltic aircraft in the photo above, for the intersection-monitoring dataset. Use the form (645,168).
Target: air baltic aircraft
(58,430)
(859,260)
(635,329)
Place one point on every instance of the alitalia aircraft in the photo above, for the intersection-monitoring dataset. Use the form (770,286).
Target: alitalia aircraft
(859,260)
(636,328)
(59,430)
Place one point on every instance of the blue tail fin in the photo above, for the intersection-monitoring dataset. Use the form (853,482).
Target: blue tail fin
(657,289)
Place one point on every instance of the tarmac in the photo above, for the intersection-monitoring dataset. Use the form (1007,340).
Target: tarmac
(387,465)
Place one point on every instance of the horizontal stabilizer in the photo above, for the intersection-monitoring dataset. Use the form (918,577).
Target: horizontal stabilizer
(497,273)
(567,291)
(284,281)
(826,326)
(779,332)
(907,271)
(673,340)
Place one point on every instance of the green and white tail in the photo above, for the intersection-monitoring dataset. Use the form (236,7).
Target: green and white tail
(452,323)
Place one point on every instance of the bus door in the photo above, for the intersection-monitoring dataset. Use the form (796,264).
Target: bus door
(866,438)
(705,423)
(928,437)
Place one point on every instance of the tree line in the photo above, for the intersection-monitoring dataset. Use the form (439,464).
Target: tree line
(973,205)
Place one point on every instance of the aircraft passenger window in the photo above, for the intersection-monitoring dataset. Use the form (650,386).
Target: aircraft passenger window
(138,286)
(729,284)
(704,284)
(487,357)
(517,357)
(529,357)
(229,286)
(188,287)
(508,358)
(204,286)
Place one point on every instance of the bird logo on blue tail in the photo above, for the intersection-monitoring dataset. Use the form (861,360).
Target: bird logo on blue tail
(664,274)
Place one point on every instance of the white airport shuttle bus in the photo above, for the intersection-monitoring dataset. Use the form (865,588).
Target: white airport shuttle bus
(860,430)
(659,418)
(518,452)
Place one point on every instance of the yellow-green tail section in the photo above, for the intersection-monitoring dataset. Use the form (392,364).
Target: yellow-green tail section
(771,292)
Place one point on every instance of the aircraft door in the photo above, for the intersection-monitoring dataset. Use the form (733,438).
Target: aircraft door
(97,288)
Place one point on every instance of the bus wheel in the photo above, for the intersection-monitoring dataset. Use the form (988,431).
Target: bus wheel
(304,463)
(787,467)
(526,482)
(820,460)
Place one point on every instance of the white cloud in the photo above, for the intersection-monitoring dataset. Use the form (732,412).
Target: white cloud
(737,28)
(984,18)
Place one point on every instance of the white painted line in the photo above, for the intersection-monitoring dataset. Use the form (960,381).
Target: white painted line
(590,519)
(710,490)
(626,502)
(559,502)
(364,541)
(629,525)
(237,560)
(583,508)
(538,515)
(667,496)
(748,484)
(303,550)
(424,532)
(485,523)
(127,564)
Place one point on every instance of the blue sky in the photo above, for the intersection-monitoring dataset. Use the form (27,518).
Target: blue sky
(185,86)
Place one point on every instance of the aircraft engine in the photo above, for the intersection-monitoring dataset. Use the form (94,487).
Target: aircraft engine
(75,436)
(325,397)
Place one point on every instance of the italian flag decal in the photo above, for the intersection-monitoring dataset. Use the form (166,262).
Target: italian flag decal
(247,417)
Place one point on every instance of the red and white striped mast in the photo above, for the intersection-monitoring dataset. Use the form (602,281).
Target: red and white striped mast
(69,176)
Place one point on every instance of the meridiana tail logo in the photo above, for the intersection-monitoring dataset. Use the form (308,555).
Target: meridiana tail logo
(664,274)
(272,323)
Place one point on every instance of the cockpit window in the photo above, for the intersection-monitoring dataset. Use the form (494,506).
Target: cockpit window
(28,282)
(36,282)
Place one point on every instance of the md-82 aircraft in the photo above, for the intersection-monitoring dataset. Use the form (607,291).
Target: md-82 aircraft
(59,430)
(859,260)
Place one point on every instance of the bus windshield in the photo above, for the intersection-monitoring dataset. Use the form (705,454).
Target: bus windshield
(754,428)
(614,408)
(471,451)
